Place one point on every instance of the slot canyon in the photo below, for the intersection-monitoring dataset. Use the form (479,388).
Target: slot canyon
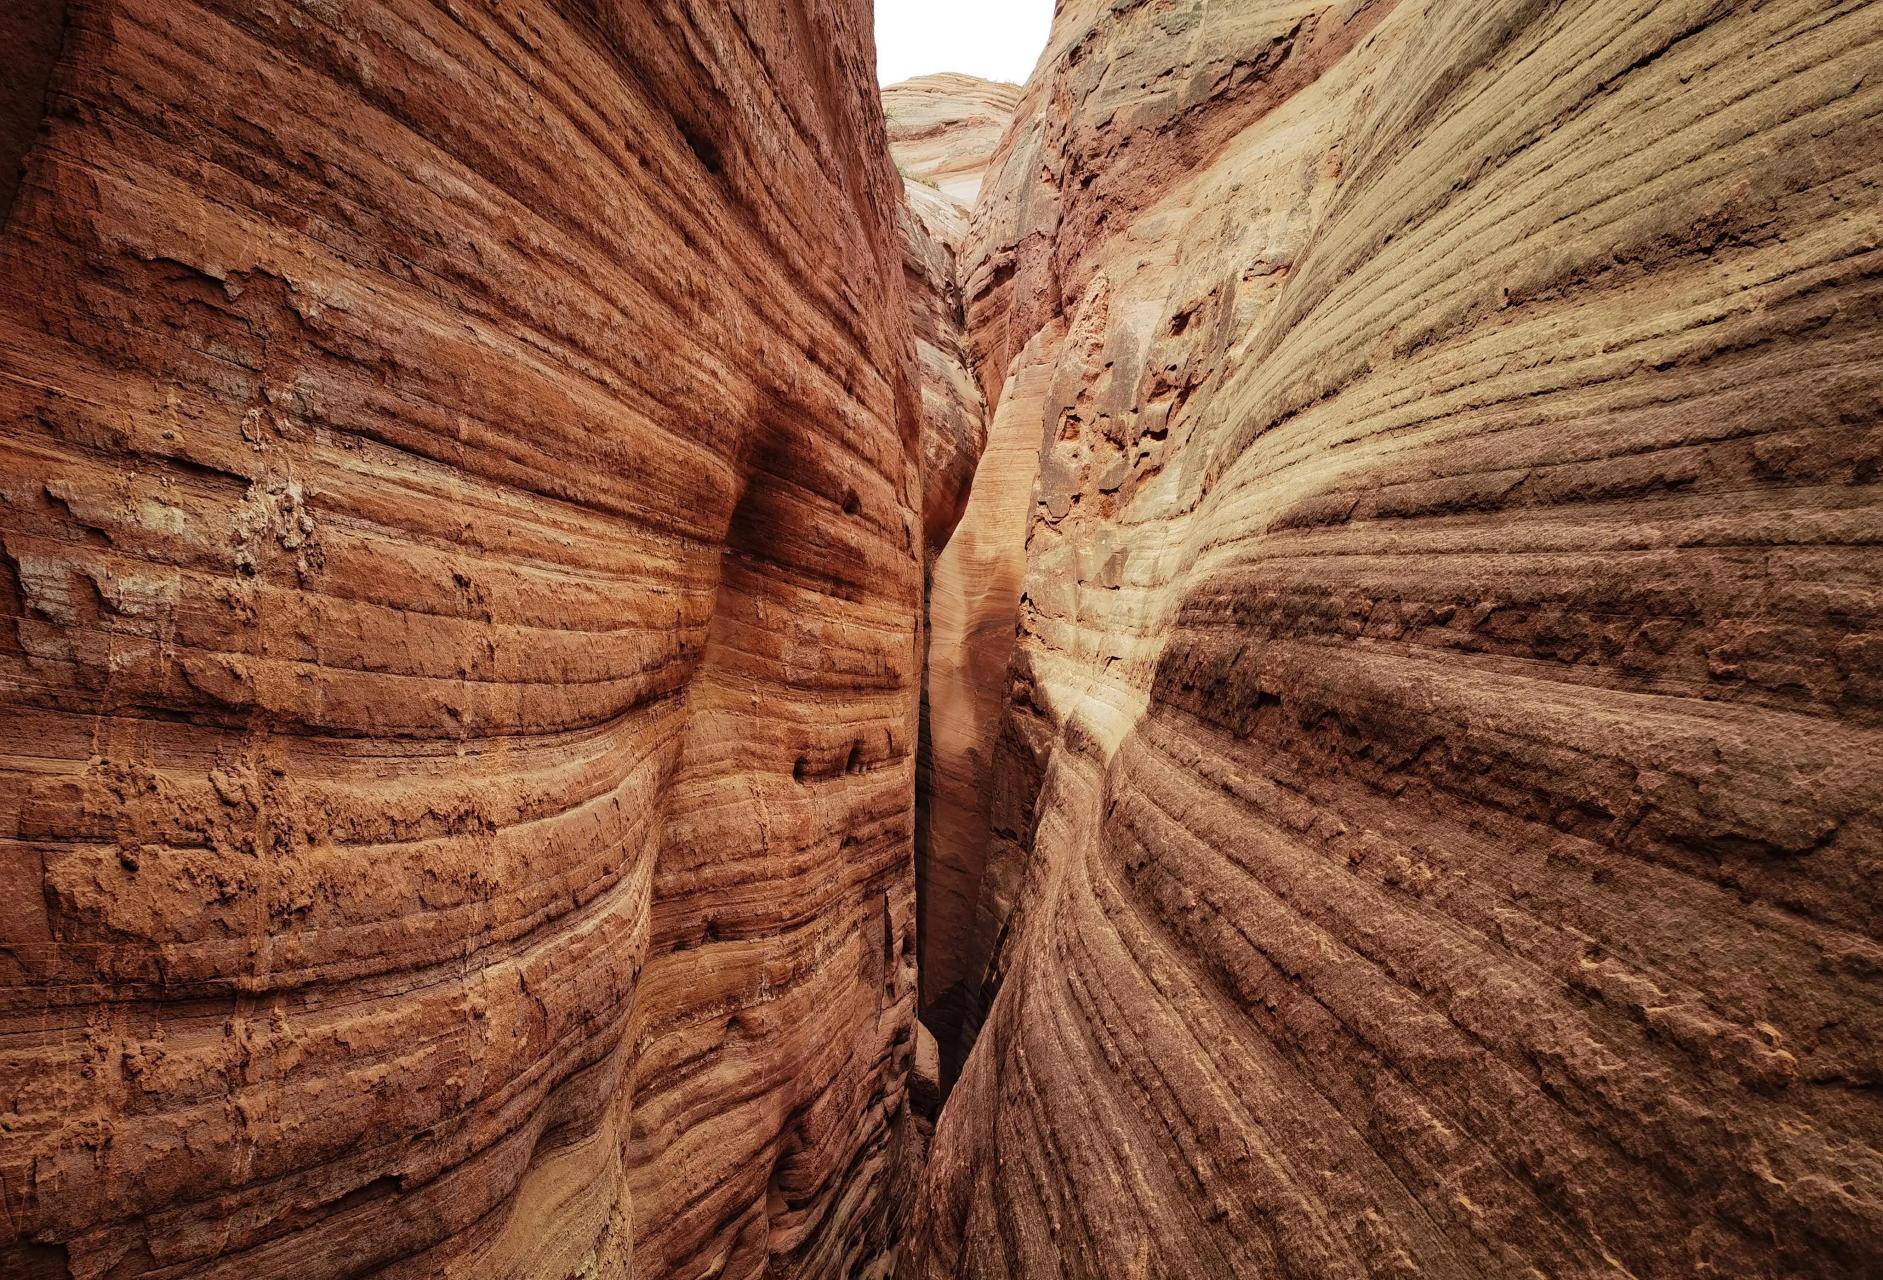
(623,654)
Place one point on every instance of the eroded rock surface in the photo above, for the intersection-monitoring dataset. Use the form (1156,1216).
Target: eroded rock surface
(954,414)
(460,512)
(1436,811)
(944,128)
(973,610)
(940,124)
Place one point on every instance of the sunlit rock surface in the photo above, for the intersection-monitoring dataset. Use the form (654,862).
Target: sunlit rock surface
(459,527)
(1434,824)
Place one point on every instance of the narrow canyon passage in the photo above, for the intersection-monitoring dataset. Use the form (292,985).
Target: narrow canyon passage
(624,655)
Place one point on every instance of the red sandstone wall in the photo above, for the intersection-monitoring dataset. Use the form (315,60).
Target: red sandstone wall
(459,517)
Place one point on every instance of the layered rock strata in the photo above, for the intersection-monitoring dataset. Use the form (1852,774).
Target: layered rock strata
(460,515)
(944,129)
(974,580)
(944,126)
(973,610)
(954,414)
(1436,805)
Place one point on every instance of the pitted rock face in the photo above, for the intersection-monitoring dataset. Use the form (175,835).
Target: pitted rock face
(460,572)
(1436,802)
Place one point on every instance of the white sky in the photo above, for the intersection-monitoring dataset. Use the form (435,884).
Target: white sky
(993,39)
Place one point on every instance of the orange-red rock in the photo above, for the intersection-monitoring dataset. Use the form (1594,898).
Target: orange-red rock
(1401,749)
(954,415)
(949,124)
(973,608)
(1437,799)
(460,509)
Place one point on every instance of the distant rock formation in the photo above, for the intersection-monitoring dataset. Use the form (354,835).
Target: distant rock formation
(954,415)
(459,563)
(943,129)
(1433,811)
(968,612)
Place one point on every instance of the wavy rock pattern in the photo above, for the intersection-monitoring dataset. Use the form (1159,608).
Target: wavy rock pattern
(1436,816)
(943,126)
(943,129)
(460,585)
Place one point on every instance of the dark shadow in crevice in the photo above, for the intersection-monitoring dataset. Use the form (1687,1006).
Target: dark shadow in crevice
(28,1261)
(704,150)
(31,35)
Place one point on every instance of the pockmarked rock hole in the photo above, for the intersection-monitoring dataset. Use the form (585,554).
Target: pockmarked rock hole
(626,653)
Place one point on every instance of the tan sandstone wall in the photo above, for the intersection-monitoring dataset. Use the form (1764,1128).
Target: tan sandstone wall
(944,129)
(954,414)
(1435,817)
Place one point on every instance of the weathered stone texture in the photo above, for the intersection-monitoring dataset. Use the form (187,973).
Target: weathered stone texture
(944,129)
(1436,818)
(973,578)
(954,414)
(973,608)
(460,509)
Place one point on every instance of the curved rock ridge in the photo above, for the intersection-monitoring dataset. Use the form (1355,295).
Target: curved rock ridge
(943,129)
(460,577)
(1435,812)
